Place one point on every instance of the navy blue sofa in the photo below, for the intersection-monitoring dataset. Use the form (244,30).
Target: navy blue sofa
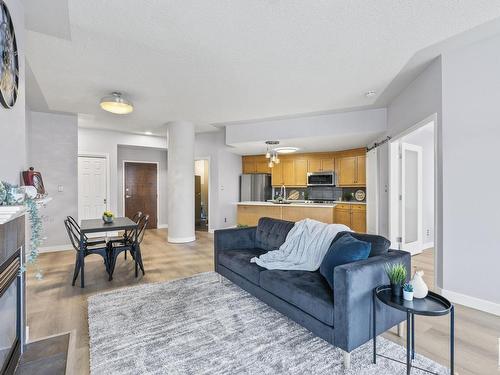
(342,316)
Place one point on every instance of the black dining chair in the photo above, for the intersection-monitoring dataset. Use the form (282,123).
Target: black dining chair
(93,242)
(127,236)
(115,248)
(89,247)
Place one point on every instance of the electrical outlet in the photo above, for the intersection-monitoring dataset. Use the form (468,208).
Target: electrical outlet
(428,232)
(225,220)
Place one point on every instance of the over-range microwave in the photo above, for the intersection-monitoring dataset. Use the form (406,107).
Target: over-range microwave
(321,179)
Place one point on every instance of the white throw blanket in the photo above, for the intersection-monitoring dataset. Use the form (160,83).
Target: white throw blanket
(304,248)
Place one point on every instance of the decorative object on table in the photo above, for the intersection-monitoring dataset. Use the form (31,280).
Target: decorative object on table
(18,195)
(432,305)
(30,192)
(107,216)
(397,277)
(9,59)
(34,178)
(420,288)
(408,292)
(360,195)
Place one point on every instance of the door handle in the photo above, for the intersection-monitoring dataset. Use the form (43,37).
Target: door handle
(128,196)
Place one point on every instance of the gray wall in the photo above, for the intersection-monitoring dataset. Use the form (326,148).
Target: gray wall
(130,153)
(421,99)
(53,150)
(12,121)
(471,132)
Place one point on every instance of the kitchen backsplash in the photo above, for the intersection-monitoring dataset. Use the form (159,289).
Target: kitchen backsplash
(326,193)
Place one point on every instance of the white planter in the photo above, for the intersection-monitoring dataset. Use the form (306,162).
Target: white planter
(407,296)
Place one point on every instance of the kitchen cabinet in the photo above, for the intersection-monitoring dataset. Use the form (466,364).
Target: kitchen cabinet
(290,172)
(321,165)
(296,213)
(250,214)
(255,166)
(351,171)
(352,215)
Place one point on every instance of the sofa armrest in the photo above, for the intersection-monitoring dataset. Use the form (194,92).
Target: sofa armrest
(233,239)
(353,299)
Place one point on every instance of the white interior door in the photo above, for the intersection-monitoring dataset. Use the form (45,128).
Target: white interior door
(92,194)
(411,198)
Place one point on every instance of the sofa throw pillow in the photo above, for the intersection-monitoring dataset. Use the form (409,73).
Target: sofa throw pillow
(380,245)
(345,250)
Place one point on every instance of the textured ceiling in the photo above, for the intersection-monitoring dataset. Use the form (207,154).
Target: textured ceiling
(222,61)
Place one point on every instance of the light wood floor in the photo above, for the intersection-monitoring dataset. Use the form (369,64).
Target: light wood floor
(54,306)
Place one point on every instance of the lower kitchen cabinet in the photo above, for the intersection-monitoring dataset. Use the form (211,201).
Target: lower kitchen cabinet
(352,215)
(296,213)
(250,215)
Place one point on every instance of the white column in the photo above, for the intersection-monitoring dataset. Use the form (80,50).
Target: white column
(180,182)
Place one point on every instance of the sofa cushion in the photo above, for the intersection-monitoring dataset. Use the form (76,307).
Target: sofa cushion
(238,261)
(306,290)
(271,233)
(345,250)
(380,245)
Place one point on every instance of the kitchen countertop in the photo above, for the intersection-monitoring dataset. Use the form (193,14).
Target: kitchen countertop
(301,204)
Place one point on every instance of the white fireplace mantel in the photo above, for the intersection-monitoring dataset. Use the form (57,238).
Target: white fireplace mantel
(8,213)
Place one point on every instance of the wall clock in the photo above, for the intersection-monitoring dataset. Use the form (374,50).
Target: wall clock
(9,62)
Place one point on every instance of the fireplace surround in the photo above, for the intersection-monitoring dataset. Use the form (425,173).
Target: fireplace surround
(12,294)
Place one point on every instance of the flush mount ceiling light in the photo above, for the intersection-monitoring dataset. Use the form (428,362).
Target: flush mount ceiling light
(286,150)
(148,133)
(117,104)
(370,94)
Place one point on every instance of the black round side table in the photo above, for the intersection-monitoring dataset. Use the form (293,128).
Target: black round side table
(432,305)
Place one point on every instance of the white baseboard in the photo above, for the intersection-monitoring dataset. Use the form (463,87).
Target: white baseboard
(162,226)
(475,303)
(52,249)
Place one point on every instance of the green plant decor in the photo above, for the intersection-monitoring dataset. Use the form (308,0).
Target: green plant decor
(396,273)
(242,226)
(408,287)
(35,220)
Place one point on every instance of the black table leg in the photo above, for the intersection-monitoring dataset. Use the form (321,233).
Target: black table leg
(408,343)
(374,327)
(82,261)
(452,340)
(412,336)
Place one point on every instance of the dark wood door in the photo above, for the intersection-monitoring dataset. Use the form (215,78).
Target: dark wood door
(141,191)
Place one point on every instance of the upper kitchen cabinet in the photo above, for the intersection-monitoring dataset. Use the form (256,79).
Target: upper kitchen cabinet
(290,172)
(255,164)
(351,170)
(320,165)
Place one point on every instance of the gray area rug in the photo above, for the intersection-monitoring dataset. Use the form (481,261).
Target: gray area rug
(198,326)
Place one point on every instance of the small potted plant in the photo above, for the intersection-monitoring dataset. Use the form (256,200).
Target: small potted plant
(408,292)
(107,217)
(397,277)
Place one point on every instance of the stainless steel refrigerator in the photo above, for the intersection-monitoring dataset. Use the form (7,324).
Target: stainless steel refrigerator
(255,187)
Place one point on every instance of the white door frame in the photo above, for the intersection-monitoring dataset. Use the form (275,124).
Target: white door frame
(416,246)
(157,186)
(108,174)
(438,267)
(210,223)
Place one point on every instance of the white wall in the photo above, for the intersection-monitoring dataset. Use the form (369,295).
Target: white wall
(129,153)
(471,132)
(106,142)
(424,137)
(225,168)
(12,121)
(53,151)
